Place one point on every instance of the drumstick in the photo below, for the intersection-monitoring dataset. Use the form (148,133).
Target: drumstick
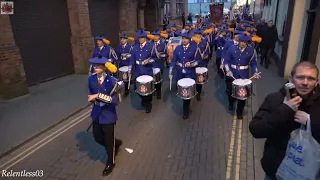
(170,83)
(253,75)
(129,83)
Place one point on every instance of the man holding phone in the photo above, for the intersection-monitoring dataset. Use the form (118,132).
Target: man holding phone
(278,116)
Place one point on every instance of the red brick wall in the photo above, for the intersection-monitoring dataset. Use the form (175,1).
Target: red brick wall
(12,74)
(82,42)
(128,17)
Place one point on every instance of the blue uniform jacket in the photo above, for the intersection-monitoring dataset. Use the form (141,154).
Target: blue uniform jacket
(204,50)
(138,55)
(234,57)
(227,45)
(126,49)
(181,57)
(161,49)
(106,52)
(103,112)
(220,41)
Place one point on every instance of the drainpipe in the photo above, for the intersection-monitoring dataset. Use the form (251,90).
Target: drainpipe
(275,21)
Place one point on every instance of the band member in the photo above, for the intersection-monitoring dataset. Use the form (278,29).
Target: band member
(174,30)
(104,114)
(203,48)
(220,41)
(142,61)
(237,61)
(104,50)
(159,55)
(185,60)
(209,32)
(187,28)
(124,53)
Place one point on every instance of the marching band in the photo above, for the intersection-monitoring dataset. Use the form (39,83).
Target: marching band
(186,52)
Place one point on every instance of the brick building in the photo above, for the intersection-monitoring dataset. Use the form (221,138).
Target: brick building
(44,40)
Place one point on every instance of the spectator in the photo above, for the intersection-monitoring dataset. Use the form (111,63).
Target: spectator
(190,18)
(277,117)
(183,19)
(269,37)
(165,22)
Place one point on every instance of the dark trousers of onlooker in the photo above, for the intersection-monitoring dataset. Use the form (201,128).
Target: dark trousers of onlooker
(266,55)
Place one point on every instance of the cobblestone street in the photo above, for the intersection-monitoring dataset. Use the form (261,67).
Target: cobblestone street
(211,144)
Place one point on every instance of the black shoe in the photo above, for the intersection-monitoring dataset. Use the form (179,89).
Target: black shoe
(239,116)
(107,170)
(185,116)
(230,107)
(158,96)
(148,108)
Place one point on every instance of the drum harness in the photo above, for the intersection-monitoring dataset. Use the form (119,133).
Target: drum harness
(202,53)
(156,51)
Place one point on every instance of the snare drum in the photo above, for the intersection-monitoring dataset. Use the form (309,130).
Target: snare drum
(157,78)
(123,73)
(186,88)
(242,89)
(144,85)
(202,75)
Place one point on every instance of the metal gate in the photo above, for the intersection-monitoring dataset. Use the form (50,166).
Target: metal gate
(42,32)
(104,19)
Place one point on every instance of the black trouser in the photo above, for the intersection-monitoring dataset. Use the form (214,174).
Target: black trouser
(158,89)
(186,106)
(126,84)
(211,51)
(265,55)
(146,101)
(241,103)
(104,135)
(199,89)
(218,63)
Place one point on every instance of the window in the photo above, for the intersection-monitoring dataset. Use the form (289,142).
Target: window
(167,8)
(180,7)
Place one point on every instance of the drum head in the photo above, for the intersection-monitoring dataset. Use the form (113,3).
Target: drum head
(144,78)
(201,70)
(155,70)
(124,69)
(242,82)
(186,82)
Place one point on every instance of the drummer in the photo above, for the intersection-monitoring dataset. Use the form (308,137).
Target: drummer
(124,53)
(159,55)
(220,41)
(237,60)
(142,61)
(185,60)
(203,48)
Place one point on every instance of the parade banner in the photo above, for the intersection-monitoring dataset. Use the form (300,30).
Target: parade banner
(216,11)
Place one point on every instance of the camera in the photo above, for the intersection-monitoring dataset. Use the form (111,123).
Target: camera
(290,90)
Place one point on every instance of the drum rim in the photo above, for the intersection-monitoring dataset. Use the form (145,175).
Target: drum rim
(186,78)
(242,84)
(145,82)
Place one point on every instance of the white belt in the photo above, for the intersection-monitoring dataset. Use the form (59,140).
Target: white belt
(220,48)
(239,67)
(139,62)
(99,103)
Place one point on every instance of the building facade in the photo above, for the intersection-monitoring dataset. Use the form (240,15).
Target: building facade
(44,40)
(298,34)
(174,9)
